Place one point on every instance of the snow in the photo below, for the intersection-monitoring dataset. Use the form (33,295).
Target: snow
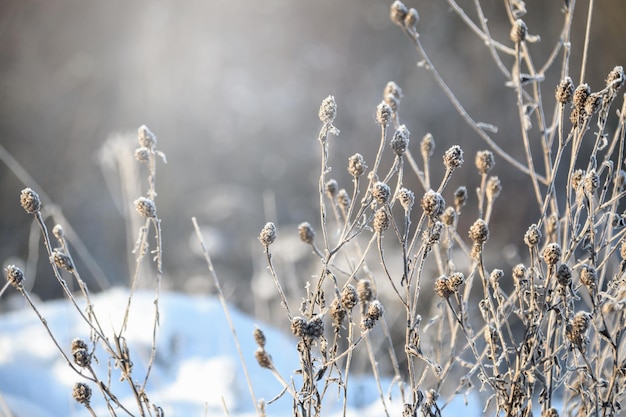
(197,370)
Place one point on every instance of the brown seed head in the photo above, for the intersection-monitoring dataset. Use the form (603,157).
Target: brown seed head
(61,260)
(81,393)
(453,158)
(427,146)
(306,232)
(406,198)
(552,253)
(263,359)
(479,232)
(442,287)
(15,276)
(78,343)
(145,207)
(615,79)
(383,114)
(400,140)
(532,236)
(331,188)
(356,165)
(81,357)
(593,103)
(343,200)
(588,276)
(398,13)
(564,275)
(433,204)
(381,220)
(364,291)
(298,326)
(565,91)
(349,297)
(485,161)
(259,337)
(411,19)
(381,192)
(494,187)
(268,234)
(460,197)
(30,201)
(328,110)
(580,96)
(449,216)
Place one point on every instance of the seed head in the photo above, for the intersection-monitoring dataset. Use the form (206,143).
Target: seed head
(398,13)
(593,103)
(356,165)
(519,272)
(145,207)
(263,359)
(519,31)
(565,91)
(591,182)
(349,297)
(580,96)
(552,254)
(343,200)
(550,412)
(485,161)
(364,291)
(442,287)
(455,280)
(306,232)
(61,260)
(147,139)
(58,232)
(331,188)
(479,232)
(30,201)
(81,393)
(374,312)
(564,275)
(495,276)
(268,234)
(337,313)
(400,140)
(381,220)
(588,276)
(383,114)
(142,154)
(81,357)
(615,79)
(427,146)
(622,251)
(577,178)
(394,90)
(15,276)
(460,197)
(433,204)
(453,158)
(406,198)
(298,326)
(78,343)
(494,187)
(328,110)
(411,19)
(259,337)
(435,233)
(315,327)
(449,216)
(532,236)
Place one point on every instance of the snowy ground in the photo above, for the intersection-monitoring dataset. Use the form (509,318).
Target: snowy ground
(197,369)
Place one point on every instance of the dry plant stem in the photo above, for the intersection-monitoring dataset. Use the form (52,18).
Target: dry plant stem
(283,298)
(583,64)
(216,281)
(463,113)
(486,36)
(418,173)
(374,363)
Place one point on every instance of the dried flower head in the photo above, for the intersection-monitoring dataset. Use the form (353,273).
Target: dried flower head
(343,199)
(259,337)
(576,329)
(383,114)
(263,359)
(577,178)
(593,103)
(433,204)
(315,327)
(381,192)
(61,260)
(519,31)
(580,96)
(479,232)
(564,275)
(460,197)
(331,188)
(532,236)
(565,91)
(615,79)
(406,198)
(30,201)
(455,280)
(298,326)
(552,253)
(485,161)
(495,276)
(15,276)
(81,357)
(268,234)
(400,140)
(449,216)
(453,158)
(81,393)
(78,343)
(364,291)
(427,146)
(588,276)
(620,179)
(58,232)
(337,313)
(550,412)
(356,165)
(306,232)
(442,287)
(381,220)
(147,139)
(622,251)
(411,19)
(145,207)
(398,13)
(493,189)
(374,312)
(591,182)
(519,272)
(349,297)
(435,233)
(328,110)
(142,154)
(394,90)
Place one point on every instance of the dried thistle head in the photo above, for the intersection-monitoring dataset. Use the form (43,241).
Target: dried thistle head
(383,114)
(449,216)
(337,313)
(519,274)
(306,232)
(433,204)
(349,297)
(593,103)
(565,91)
(259,337)
(30,201)
(381,220)
(406,198)
(485,161)
(479,232)
(460,198)
(374,312)
(427,146)
(576,329)
(331,188)
(577,178)
(356,165)
(400,140)
(398,13)
(145,207)
(495,277)
(394,90)
(263,359)
(453,158)
(494,187)
(588,276)
(550,412)
(58,232)
(532,236)
(315,328)
(299,326)
(442,287)
(615,79)
(61,260)
(564,275)
(455,280)
(268,234)
(81,357)
(343,199)
(146,138)
(552,253)
(381,192)
(580,96)
(81,393)
(15,276)
(519,31)
(328,110)
(411,19)
(364,291)
(78,343)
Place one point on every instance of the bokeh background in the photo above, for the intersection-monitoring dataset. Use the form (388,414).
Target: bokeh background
(231,89)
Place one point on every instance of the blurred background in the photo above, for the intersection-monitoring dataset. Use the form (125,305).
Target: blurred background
(232,89)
